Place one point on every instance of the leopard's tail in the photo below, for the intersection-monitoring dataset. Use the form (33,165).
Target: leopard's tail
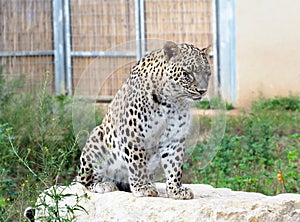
(29,214)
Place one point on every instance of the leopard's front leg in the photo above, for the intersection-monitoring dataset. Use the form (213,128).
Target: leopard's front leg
(172,161)
(140,184)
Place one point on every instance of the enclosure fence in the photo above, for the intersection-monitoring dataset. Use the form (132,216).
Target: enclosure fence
(89,47)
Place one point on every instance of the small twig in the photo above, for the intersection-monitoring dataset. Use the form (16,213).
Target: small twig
(23,161)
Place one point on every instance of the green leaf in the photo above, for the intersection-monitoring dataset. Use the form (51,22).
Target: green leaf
(2,202)
(292,156)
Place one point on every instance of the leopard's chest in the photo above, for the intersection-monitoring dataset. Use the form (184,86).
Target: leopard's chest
(166,125)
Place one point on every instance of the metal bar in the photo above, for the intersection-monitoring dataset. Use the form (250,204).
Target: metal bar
(27,53)
(226,53)
(67,38)
(233,55)
(142,27)
(103,53)
(215,22)
(58,46)
(137,29)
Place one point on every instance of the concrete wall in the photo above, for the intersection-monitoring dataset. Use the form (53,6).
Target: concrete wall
(267,48)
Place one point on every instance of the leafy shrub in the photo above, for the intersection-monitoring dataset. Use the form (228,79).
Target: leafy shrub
(37,144)
(260,151)
(291,103)
(205,104)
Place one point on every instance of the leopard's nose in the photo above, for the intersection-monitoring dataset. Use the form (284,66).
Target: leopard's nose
(202,91)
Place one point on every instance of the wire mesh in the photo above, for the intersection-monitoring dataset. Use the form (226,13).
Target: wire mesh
(110,25)
(101,25)
(188,21)
(26,26)
(107,26)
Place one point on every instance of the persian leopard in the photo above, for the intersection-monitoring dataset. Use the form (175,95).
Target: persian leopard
(148,117)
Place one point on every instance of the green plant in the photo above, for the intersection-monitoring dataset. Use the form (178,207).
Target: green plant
(291,103)
(56,211)
(259,152)
(205,104)
(36,136)
(53,211)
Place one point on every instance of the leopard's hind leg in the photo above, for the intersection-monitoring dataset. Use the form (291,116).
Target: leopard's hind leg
(92,161)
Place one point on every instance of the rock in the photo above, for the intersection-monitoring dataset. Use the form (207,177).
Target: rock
(210,204)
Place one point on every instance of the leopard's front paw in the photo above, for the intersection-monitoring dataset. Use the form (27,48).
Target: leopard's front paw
(183,193)
(104,187)
(144,191)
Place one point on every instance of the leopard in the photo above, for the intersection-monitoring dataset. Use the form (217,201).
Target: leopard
(147,123)
(148,120)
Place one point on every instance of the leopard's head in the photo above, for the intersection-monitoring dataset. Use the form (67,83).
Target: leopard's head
(188,70)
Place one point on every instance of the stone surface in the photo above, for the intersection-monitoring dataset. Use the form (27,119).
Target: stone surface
(210,204)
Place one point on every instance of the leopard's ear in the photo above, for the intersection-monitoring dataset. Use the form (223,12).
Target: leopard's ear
(207,49)
(171,50)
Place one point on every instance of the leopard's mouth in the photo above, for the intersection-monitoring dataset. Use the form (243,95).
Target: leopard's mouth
(197,98)
(197,95)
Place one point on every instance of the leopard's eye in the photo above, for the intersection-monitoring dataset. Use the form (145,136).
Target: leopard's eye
(188,76)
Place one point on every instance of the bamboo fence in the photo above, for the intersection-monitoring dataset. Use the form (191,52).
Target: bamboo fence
(26,26)
(97,25)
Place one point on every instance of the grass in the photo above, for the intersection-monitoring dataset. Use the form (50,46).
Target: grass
(205,104)
(38,148)
(260,150)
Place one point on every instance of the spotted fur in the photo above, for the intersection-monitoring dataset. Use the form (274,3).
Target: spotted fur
(148,118)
